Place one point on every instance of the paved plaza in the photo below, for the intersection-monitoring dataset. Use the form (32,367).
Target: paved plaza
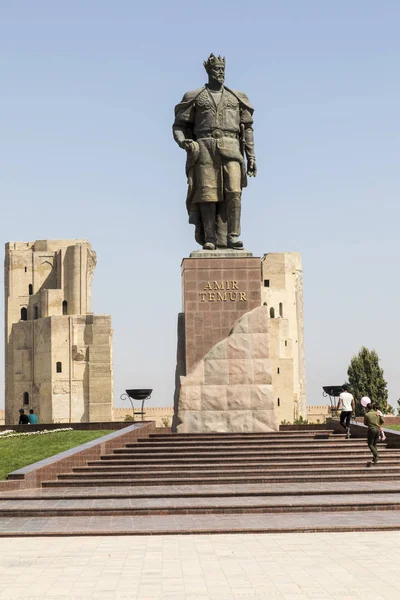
(343,566)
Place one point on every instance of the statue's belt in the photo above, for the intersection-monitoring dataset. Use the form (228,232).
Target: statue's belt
(217,134)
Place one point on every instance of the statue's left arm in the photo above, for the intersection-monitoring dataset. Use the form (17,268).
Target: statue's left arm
(246,124)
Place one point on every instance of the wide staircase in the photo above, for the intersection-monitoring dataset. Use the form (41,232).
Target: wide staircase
(314,480)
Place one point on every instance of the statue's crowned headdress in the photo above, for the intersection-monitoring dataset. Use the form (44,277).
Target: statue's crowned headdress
(214,61)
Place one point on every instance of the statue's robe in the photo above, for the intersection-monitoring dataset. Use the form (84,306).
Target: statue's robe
(219,132)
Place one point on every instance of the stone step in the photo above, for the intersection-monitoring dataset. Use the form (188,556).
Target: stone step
(243,454)
(84,479)
(213,461)
(129,472)
(238,441)
(146,448)
(178,506)
(248,438)
(310,489)
(273,464)
(64,480)
(246,443)
(196,436)
(385,520)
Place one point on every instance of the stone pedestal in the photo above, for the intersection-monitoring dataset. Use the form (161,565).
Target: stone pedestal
(216,292)
(240,363)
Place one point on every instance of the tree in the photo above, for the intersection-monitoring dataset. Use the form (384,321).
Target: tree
(366,379)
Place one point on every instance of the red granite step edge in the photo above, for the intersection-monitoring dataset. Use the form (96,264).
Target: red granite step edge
(326,438)
(198,510)
(240,442)
(211,460)
(129,472)
(78,482)
(210,435)
(210,491)
(204,531)
(142,449)
(195,435)
(249,443)
(132,455)
(100,467)
(259,436)
(180,439)
(197,524)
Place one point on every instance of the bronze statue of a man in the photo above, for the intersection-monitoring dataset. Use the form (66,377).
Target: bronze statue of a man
(214,124)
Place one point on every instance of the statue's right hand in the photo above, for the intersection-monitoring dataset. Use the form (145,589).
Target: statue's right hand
(187,145)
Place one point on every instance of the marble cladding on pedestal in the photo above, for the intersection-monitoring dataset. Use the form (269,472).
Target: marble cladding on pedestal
(216,292)
(230,389)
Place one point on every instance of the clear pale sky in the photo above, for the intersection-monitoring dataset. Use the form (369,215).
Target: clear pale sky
(86,151)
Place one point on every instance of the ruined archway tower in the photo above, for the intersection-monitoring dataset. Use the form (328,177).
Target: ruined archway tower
(58,354)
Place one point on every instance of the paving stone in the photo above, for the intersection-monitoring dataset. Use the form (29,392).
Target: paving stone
(344,555)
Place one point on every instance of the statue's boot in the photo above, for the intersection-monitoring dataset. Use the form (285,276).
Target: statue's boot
(233,210)
(208,216)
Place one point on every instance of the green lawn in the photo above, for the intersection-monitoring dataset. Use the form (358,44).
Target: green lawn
(396,427)
(22,451)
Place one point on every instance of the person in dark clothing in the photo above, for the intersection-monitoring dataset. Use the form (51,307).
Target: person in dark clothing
(346,403)
(23,418)
(373,421)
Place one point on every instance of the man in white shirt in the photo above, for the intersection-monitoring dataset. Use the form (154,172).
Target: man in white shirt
(347,404)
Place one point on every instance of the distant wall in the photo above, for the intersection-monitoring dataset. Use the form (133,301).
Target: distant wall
(154,413)
(157,413)
(318,413)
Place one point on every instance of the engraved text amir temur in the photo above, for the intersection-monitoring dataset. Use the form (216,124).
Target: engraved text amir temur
(222,291)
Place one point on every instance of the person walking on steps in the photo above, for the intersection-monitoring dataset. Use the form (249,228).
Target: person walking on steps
(366,404)
(373,421)
(347,404)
